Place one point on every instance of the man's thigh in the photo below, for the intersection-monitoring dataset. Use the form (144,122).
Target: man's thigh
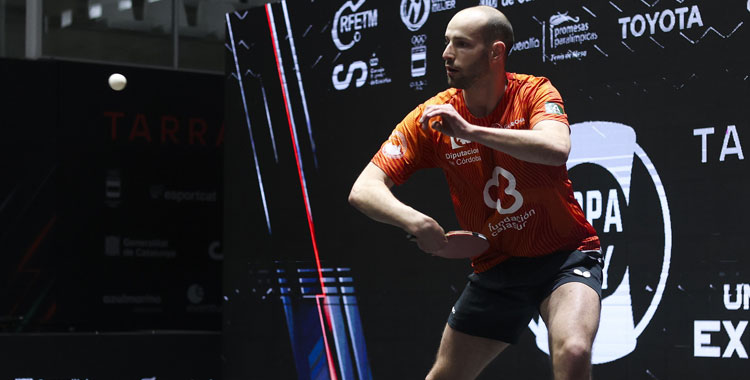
(572,312)
(572,309)
(464,356)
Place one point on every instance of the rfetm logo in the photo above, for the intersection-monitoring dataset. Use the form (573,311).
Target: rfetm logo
(355,66)
(343,25)
(414,13)
(603,167)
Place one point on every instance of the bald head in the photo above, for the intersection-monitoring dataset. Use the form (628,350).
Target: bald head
(493,25)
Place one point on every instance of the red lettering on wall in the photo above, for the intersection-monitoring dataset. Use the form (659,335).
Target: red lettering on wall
(167,131)
(144,131)
(220,137)
(197,134)
(170,130)
(114,116)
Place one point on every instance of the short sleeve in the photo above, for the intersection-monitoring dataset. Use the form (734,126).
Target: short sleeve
(407,150)
(546,104)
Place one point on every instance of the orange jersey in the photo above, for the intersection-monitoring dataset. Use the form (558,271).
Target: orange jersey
(524,209)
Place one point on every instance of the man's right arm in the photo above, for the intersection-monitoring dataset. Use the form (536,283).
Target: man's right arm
(371,194)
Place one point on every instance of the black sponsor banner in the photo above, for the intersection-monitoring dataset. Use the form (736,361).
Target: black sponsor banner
(129,228)
(655,93)
(146,163)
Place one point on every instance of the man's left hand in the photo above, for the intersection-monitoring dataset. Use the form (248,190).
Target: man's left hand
(449,122)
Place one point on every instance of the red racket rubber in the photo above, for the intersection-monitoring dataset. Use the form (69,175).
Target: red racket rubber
(461,244)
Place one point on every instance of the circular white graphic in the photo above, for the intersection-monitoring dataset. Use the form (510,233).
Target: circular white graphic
(414,13)
(613,147)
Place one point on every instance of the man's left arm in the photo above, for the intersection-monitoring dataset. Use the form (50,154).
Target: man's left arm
(547,142)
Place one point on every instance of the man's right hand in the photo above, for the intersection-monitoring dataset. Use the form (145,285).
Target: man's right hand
(372,196)
(430,237)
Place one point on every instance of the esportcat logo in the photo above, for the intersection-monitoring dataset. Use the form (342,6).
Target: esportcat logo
(622,196)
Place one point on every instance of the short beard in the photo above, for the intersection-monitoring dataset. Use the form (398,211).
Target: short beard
(468,81)
(463,82)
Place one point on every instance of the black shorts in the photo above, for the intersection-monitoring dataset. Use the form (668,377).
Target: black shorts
(500,302)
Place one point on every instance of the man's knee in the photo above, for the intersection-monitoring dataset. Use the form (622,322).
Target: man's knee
(444,369)
(437,373)
(573,350)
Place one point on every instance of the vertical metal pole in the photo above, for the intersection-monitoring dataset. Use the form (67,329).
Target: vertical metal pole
(2,28)
(33,29)
(175,33)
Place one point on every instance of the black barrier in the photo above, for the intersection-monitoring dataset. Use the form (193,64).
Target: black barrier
(141,191)
(656,95)
(110,218)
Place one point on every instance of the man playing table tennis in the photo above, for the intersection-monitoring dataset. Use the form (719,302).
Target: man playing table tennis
(502,140)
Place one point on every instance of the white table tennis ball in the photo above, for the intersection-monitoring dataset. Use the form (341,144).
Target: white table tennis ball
(117,81)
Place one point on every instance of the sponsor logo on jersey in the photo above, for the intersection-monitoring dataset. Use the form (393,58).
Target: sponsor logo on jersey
(396,146)
(509,125)
(553,108)
(509,189)
(457,143)
(465,154)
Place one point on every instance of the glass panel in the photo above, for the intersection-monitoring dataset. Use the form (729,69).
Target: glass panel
(12,28)
(202,33)
(126,31)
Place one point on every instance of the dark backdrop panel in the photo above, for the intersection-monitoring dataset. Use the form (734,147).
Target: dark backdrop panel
(110,222)
(140,180)
(655,93)
(27,214)
(110,200)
